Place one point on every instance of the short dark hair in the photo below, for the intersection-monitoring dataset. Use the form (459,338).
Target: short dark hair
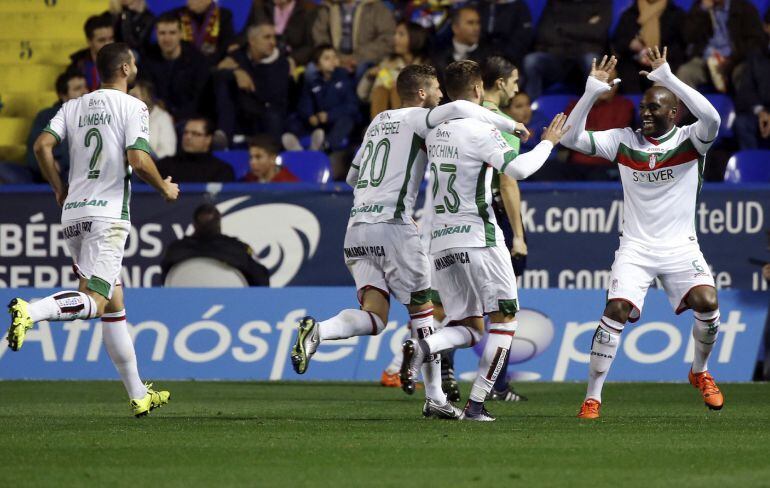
(460,76)
(458,13)
(493,68)
(418,38)
(320,50)
(110,58)
(266,142)
(168,18)
(63,81)
(207,219)
(208,126)
(97,22)
(412,78)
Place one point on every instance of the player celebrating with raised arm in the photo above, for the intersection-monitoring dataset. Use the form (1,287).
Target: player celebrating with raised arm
(661,166)
(105,128)
(383,250)
(471,266)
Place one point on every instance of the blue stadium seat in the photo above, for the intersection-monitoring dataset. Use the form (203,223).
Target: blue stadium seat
(311,166)
(547,106)
(684,4)
(752,166)
(726,108)
(618,7)
(238,159)
(536,8)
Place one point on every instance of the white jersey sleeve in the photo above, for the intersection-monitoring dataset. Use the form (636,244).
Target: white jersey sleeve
(605,143)
(490,146)
(138,127)
(426,119)
(692,134)
(57,126)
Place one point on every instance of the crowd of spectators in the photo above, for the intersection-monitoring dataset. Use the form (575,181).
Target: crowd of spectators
(308,75)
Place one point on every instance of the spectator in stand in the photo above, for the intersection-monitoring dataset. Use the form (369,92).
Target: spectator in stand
(466,40)
(208,27)
(195,163)
(611,111)
(69,85)
(133,23)
(378,87)
(752,103)
(570,34)
(520,110)
(507,28)
(360,30)
(263,162)
(252,86)
(99,33)
(208,241)
(162,132)
(176,69)
(293,20)
(647,23)
(717,54)
(327,106)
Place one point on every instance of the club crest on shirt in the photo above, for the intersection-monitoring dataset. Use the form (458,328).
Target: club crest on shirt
(653,160)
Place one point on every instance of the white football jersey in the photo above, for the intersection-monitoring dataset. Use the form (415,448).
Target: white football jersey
(661,181)
(461,155)
(100,126)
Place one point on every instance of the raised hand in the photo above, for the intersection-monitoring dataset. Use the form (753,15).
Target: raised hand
(656,58)
(170,190)
(556,130)
(605,68)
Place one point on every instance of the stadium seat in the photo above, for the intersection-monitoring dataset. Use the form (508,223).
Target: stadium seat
(684,4)
(31,78)
(204,272)
(726,108)
(536,7)
(311,166)
(38,51)
(548,106)
(25,105)
(752,166)
(47,25)
(14,130)
(238,159)
(39,6)
(618,7)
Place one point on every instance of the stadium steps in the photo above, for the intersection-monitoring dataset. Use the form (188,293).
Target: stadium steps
(27,105)
(38,51)
(44,25)
(13,137)
(88,7)
(30,78)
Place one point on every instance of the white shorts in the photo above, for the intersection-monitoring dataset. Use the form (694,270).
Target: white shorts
(388,257)
(97,249)
(635,268)
(474,281)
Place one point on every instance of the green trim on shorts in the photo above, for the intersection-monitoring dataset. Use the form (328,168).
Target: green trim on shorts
(100,286)
(508,307)
(434,296)
(420,297)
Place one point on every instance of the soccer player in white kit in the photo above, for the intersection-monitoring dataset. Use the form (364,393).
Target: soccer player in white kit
(471,265)
(661,168)
(383,250)
(108,135)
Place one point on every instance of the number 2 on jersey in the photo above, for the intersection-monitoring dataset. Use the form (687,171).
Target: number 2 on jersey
(372,152)
(93,165)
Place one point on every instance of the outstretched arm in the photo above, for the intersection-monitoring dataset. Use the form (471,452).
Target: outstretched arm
(598,82)
(463,109)
(707,127)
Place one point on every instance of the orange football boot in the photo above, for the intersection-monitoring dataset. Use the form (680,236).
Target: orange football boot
(390,380)
(712,397)
(589,409)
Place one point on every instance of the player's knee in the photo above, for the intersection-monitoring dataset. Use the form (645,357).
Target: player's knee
(618,310)
(703,299)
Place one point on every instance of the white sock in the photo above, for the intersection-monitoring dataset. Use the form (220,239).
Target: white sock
(121,350)
(63,305)
(350,323)
(421,324)
(495,353)
(704,331)
(604,348)
(452,337)
(395,363)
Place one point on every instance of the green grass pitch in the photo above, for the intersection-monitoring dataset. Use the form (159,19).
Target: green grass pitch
(355,434)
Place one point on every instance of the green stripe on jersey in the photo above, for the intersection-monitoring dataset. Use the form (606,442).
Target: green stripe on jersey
(141,144)
(593,143)
(53,133)
(417,143)
(644,157)
(507,158)
(483,208)
(124,214)
(669,136)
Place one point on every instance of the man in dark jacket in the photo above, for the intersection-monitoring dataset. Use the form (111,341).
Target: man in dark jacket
(506,28)
(570,34)
(176,69)
(69,85)
(466,40)
(195,163)
(208,242)
(717,54)
(134,23)
(752,103)
(658,23)
(208,27)
(293,20)
(99,33)
(252,86)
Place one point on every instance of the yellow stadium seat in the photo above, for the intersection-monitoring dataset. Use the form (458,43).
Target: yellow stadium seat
(88,6)
(30,26)
(38,51)
(14,130)
(28,78)
(15,153)
(25,105)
